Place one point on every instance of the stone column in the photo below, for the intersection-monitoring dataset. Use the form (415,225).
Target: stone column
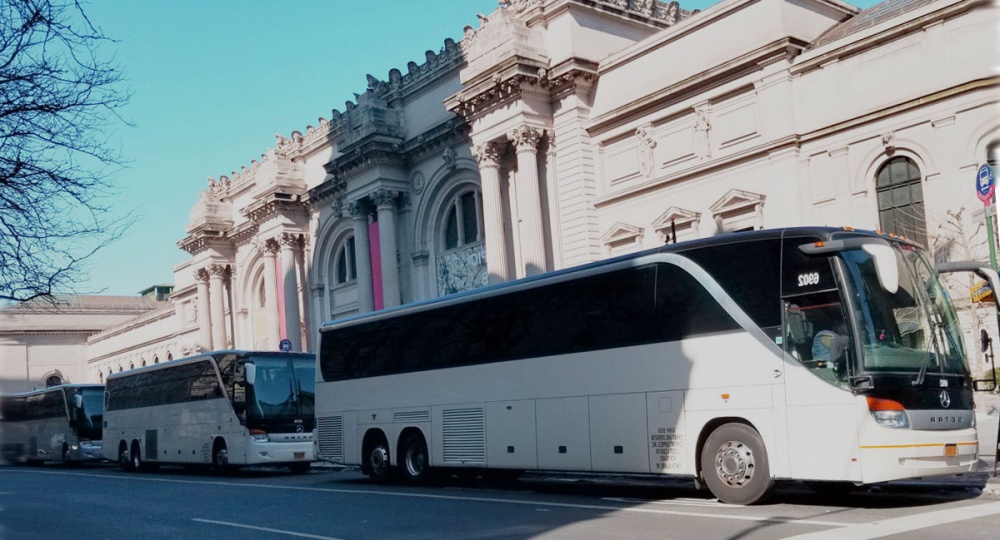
(204,315)
(385,203)
(218,309)
(525,140)
(362,258)
(488,157)
(269,250)
(290,290)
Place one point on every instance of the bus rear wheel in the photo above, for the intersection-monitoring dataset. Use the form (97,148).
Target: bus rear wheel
(136,457)
(416,463)
(377,461)
(734,465)
(124,461)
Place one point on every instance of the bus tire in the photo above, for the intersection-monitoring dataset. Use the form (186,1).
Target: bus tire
(123,458)
(416,461)
(377,464)
(136,457)
(65,454)
(734,465)
(220,456)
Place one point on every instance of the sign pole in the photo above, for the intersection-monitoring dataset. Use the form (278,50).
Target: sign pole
(985,188)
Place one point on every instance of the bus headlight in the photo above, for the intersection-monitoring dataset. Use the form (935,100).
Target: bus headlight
(888,413)
(257,435)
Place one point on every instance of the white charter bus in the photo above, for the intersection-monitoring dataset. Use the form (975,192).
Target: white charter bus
(60,423)
(223,408)
(817,354)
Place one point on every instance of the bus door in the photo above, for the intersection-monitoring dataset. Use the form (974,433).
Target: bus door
(817,340)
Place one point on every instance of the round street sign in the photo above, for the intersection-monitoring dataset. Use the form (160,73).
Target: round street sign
(285,345)
(985,183)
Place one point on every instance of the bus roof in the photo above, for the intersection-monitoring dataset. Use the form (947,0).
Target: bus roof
(202,356)
(822,233)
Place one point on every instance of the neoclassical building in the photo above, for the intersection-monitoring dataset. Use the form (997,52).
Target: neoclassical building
(560,132)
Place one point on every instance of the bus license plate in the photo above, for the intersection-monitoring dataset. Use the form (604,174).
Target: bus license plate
(302,455)
(950,450)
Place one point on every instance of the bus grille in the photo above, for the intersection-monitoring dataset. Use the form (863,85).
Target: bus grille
(331,438)
(464,432)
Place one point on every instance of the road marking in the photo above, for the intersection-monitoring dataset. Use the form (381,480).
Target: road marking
(265,529)
(494,500)
(878,529)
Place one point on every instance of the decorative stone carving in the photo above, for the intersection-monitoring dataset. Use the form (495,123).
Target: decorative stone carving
(524,137)
(889,142)
(644,150)
(417,182)
(449,157)
(201,274)
(217,270)
(487,155)
(701,129)
(293,240)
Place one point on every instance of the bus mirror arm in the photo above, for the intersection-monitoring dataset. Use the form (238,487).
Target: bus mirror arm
(861,383)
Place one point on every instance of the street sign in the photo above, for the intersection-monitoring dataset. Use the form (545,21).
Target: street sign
(985,184)
(981,291)
(285,345)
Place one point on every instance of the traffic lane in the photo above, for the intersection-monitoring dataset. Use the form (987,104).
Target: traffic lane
(176,504)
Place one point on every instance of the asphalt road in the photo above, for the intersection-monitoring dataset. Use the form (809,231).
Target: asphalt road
(99,502)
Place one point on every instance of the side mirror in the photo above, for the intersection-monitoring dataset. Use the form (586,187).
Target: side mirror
(251,373)
(984,385)
(78,399)
(885,266)
(984,341)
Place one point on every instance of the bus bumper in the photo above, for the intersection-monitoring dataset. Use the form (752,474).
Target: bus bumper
(280,453)
(912,454)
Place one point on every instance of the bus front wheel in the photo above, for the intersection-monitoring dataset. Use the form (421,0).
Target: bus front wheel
(416,463)
(136,457)
(377,461)
(123,458)
(734,465)
(220,456)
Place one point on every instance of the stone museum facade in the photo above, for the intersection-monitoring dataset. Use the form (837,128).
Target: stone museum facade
(560,132)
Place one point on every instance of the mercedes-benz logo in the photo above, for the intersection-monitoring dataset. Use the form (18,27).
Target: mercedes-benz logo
(945,399)
(298,427)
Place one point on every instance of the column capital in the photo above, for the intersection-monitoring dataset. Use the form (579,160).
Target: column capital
(525,137)
(385,199)
(487,154)
(290,240)
(268,247)
(217,270)
(201,275)
(357,209)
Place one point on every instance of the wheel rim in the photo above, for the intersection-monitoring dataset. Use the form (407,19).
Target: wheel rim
(734,463)
(221,457)
(136,460)
(378,460)
(123,458)
(416,460)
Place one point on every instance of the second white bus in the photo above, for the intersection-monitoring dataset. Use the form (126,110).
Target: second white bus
(223,409)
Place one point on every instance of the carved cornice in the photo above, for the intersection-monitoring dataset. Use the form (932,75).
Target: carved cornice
(202,240)
(366,156)
(264,209)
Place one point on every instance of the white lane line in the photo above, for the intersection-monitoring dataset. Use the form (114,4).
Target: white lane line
(878,529)
(265,529)
(494,500)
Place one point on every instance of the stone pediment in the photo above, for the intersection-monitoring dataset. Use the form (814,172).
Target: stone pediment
(679,216)
(621,233)
(737,200)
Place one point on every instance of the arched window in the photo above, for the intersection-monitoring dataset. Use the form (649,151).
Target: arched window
(131,365)
(463,221)
(170,356)
(100,375)
(53,380)
(345,270)
(901,199)
(143,362)
(156,359)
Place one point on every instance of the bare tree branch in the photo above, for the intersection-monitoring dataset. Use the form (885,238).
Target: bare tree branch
(58,96)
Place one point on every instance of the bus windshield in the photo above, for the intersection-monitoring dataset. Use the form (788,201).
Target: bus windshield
(911,330)
(283,387)
(92,412)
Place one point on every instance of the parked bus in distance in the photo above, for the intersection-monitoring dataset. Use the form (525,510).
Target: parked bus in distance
(224,409)
(827,355)
(60,423)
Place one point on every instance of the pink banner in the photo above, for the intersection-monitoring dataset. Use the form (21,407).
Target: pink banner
(280,297)
(375,251)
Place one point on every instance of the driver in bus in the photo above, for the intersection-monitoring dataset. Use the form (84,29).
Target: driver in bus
(829,349)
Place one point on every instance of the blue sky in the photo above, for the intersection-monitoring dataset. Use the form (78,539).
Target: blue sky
(213,81)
